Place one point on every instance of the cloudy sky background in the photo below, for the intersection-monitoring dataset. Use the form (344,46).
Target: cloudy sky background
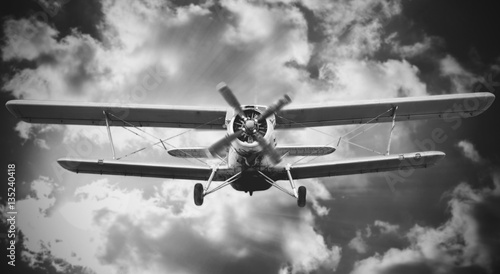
(440,220)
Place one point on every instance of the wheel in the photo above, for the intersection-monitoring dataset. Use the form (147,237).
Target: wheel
(301,201)
(198,194)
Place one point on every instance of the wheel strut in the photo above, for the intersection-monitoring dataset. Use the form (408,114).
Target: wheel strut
(200,192)
(300,194)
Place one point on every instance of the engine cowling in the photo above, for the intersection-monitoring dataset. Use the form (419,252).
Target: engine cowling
(246,142)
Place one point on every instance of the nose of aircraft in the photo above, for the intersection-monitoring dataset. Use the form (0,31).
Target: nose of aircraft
(250,124)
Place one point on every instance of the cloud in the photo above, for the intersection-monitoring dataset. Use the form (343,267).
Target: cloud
(392,78)
(469,151)
(373,236)
(358,243)
(27,39)
(124,230)
(254,23)
(386,227)
(458,243)
(461,79)
(37,133)
(354,29)
(411,50)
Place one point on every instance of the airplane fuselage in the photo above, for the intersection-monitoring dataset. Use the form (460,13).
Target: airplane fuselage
(246,154)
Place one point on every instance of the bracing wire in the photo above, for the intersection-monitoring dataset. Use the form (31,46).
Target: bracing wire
(162,141)
(342,138)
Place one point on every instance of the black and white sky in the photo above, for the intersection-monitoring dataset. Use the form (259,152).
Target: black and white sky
(445,219)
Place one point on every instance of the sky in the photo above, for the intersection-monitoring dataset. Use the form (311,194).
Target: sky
(444,219)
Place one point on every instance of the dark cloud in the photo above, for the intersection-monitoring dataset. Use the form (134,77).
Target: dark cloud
(487,215)
(465,27)
(413,268)
(82,15)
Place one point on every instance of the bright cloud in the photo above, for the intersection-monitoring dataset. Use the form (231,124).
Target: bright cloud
(123,230)
(469,151)
(358,243)
(386,227)
(461,79)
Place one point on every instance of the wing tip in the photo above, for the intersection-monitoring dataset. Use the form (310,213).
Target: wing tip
(65,163)
(72,164)
(485,99)
(12,107)
(433,157)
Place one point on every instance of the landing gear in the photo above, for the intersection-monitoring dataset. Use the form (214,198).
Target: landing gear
(198,194)
(301,200)
(299,194)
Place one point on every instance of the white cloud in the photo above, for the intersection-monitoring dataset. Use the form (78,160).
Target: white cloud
(27,39)
(469,151)
(36,132)
(370,79)
(165,227)
(354,28)
(358,243)
(461,79)
(411,50)
(386,227)
(254,23)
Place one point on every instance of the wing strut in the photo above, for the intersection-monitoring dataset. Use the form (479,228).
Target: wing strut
(109,133)
(392,129)
(200,192)
(299,194)
(292,183)
(226,182)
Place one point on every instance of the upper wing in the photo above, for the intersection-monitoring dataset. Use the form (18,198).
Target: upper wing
(76,113)
(409,108)
(360,165)
(356,112)
(114,167)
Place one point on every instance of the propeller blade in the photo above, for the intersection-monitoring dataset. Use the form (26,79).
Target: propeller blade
(228,95)
(224,142)
(268,150)
(274,108)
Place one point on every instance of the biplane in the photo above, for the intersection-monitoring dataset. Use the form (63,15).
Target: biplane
(251,160)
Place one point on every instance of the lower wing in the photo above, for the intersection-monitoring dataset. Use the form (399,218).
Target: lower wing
(114,167)
(300,171)
(360,165)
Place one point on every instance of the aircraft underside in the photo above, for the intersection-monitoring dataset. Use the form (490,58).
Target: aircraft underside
(251,181)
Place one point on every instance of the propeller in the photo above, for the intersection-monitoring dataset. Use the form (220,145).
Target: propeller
(218,146)
(268,150)
(274,108)
(250,125)
(228,95)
